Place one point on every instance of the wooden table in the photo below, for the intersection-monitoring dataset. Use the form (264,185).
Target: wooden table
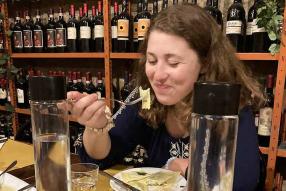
(25,170)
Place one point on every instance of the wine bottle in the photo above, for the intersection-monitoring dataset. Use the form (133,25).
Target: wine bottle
(98,30)
(100,89)
(89,87)
(265,114)
(85,31)
(235,25)
(22,91)
(135,26)
(2,35)
(217,14)
(92,22)
(3,92)
(79,84)
(126,89)
(28,28)
(72,31)
(38,33)
(165,4)
(123,23)
(80,13)
(17,40)
(51,32)
(155,9)
(61,32)
(249,29)
(144,20)
(69,81)
(114,28)
(261,41)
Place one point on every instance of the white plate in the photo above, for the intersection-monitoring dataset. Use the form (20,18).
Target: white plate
(12,183)
(181,182)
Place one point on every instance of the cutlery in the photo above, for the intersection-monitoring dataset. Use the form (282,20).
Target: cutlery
(9,167)
(26,187)
(119,182)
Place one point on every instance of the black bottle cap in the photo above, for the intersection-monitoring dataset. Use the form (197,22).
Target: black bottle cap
(216,98)
(47,88)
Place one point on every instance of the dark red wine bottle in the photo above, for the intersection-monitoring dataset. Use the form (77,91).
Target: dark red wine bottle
(51,32)
(28,28)
(123,30)
(85,31)
(144,20)
(114,28)
(61,33)
(98,30)
(17,38)
(72,31)
(135,26)
(38,33)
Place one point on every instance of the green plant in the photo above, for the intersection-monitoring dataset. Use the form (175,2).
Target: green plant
(269,16)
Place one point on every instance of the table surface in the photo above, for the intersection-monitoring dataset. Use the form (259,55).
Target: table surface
(24,169)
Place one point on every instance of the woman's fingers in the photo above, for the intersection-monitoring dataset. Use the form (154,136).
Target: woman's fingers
(81,104)
(94,115)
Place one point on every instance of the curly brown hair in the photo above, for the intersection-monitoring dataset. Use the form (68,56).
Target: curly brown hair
(216,54)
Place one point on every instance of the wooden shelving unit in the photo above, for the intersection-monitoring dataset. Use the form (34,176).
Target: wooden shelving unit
(57,55)
(109,57)
(28,112)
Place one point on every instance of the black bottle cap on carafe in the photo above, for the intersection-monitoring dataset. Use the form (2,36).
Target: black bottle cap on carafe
(216,98)
(47,88)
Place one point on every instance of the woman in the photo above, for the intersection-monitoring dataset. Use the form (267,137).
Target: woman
(183,45)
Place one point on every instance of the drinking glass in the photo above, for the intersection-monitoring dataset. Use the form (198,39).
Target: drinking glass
(84,176)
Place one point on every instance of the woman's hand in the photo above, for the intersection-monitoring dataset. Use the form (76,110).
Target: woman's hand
(178,165)
(87,109)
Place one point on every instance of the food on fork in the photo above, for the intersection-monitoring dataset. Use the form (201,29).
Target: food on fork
(146,98)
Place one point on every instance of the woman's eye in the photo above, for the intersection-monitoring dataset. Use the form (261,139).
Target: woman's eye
(174,63)
(151,61)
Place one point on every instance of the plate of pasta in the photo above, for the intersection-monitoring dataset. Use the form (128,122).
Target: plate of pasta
(151,179)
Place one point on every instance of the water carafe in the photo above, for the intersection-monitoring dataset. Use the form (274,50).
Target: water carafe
(213,134)
(50,133)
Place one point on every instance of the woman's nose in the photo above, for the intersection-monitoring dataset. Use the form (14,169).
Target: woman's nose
(160,73)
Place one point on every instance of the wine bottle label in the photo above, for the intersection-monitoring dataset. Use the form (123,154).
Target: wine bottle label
(38,39)
(122,29)
(20,95)
(3,93)
(143,26)
(61,37)
(71,33)
(233,27)
(256,29)
(51,33)
(249,28)
(28,39)
(135,31)
(2,41)
(85,32)
(265,121)
(8,96)
(98,31)
(18,40)
(113,31)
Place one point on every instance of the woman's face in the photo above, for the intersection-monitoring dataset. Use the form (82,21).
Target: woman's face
(172,67)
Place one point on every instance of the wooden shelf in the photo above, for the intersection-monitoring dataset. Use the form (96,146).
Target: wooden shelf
(241,56)
(264,150)
(281,153)
(125,55)
(57,55)
(257,56)
(28,112)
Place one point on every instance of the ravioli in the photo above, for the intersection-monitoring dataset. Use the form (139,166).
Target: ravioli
(146,98)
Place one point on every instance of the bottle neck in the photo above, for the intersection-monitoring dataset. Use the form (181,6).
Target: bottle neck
(85,11)
(145,6)
(165,4)
(115,8)
(72,12)
(215,3)
(155,7)
(237,1)
(99,8)
(124,6)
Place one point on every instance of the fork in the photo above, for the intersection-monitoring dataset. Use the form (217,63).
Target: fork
(71,101)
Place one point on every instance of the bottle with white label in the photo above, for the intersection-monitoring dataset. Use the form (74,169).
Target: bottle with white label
(135,26)
(61,32)
(72,31)
(235,25)
(85,31)
(28,28)
(38,33)
(17,39)
(22,91)
(98,30)
(265,114)
(261,41)
(114,28)
(123,27)
(51,33)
